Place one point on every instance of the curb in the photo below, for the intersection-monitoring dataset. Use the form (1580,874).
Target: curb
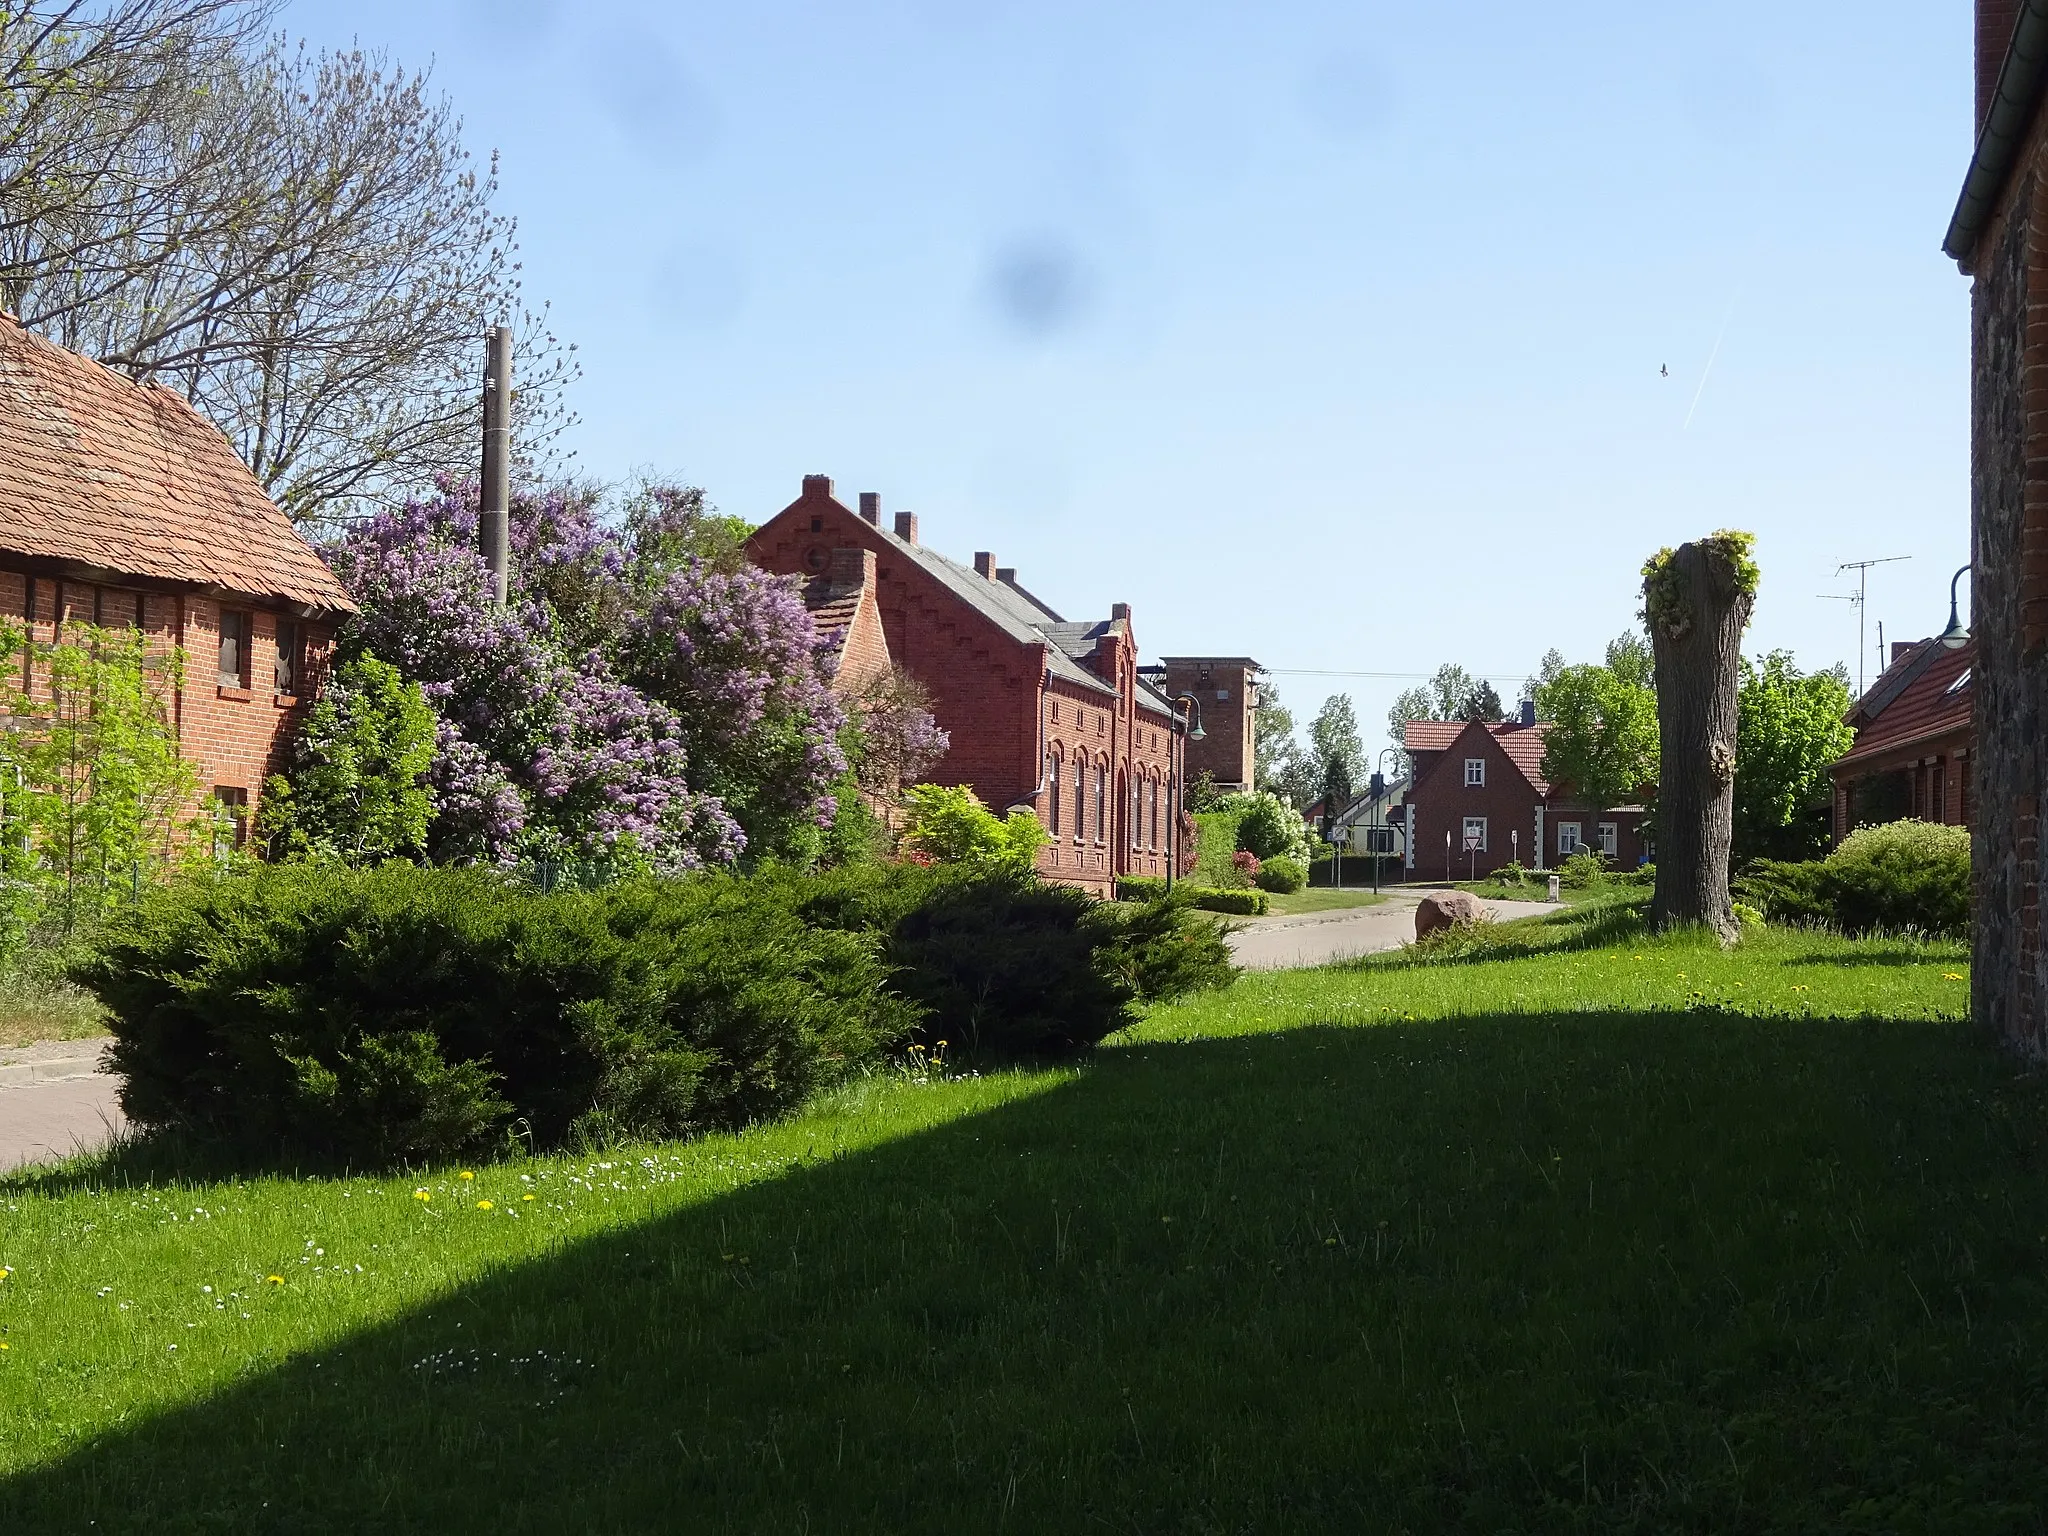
(26,1074)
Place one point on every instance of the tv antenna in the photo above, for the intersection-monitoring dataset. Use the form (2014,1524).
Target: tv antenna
(1859,598)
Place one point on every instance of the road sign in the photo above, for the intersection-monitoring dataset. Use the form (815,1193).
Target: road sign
(1473,841)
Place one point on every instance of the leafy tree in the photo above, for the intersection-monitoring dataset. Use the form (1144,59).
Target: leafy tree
(1273,743)
(949,825)
(356,785)
(1410,704)
(97,795)
(1481,702)
(1789,730)
(1333,737)
(1547,672)
(1449,687)
(1602,741)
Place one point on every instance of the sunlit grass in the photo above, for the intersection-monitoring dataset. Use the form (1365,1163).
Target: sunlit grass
(1644,1235)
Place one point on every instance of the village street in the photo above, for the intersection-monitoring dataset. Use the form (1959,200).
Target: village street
(1321,938)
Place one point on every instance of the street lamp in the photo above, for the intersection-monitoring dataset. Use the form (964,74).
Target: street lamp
(1176,769)
(1957,635)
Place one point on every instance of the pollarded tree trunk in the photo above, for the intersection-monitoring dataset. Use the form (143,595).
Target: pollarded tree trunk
(1697,601)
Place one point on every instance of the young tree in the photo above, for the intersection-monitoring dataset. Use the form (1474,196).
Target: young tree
(1272,737)
(1333,737)
(1450,687)
(1789,730)
(1697,600)
(1409,705)
(1548,670)
(1602,741)
(355,787)
(1481,702)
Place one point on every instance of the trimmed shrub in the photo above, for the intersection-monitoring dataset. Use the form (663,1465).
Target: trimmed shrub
(1139,887)
(1282,876)
(1510,873)
(1235,903)
(1904,875)
(401,1013)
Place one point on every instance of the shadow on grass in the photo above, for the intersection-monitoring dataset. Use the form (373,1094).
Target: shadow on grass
(1585,1271)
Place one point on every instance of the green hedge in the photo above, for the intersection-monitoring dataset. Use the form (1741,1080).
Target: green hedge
(1206,898)
(1282,876)
(400,1013)
(1902,876)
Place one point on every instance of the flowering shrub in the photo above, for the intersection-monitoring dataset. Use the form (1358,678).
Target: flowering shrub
(1245,864)
(645,693)
(1282,876)
(950,825)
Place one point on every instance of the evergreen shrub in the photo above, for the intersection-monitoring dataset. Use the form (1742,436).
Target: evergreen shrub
(1899,877)
(1282,876)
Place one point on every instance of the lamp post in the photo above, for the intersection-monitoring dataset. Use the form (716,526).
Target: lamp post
(1379,793)
(1176,770)
(1957,635)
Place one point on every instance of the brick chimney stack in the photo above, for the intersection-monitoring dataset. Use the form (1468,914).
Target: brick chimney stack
(984,565)
(853,568)
(1120,611)
(1995,22)
(871,507)
(817,485)
(1007,575)
(906,527)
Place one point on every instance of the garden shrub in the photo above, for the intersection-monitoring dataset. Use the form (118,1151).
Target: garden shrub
(1139,887)
(1282,876)
(1244,864)
(402,1013)
(949,824)
(1268,826)
(1511,873)
(1235,903)
(1582,871)
(1904,875)
(1161,950)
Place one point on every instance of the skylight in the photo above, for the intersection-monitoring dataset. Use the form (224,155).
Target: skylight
(1959,684)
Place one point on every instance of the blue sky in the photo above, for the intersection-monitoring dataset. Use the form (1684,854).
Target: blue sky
(1330,335)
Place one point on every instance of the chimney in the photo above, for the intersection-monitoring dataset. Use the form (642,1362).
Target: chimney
(817,485)
(1996,20)
(1528,713)
(1120,611)
(853,568)
(906,527)
(1007,575)
(871,506)
(984,565)
(1902,648)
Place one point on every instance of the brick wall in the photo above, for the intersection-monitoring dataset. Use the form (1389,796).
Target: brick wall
(234,737)
(1509,803)
(1227,689)
(1995,22)
(991,694)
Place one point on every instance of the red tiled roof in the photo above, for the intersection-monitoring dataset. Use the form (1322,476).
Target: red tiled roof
(128,477)
(1925,693)
(833,610)
(1523,744)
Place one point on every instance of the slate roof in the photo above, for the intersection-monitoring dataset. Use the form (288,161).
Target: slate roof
(1010,608)
(1925,693)
(1523,744)
(129,478)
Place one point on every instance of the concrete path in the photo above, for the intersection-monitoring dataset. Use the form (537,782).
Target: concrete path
(55,1101)
(1320,938)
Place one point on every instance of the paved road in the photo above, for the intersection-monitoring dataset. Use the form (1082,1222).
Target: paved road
(55,1101)
(1319,938)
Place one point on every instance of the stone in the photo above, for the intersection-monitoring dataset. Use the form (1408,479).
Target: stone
(1446,909)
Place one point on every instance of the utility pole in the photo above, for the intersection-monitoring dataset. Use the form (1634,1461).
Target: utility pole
(494,520)
(1859,598)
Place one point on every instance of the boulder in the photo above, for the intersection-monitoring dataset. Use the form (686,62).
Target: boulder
(1446,909)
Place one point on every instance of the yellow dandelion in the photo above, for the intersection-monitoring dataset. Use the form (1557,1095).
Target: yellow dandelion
(274,1279)
(483,1205)
(421,1194)
(1953,976)
(526,1197)
(465,1174)
(5,1345)
(5,1271)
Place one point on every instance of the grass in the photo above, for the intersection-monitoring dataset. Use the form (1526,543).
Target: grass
(1574,1230)
(1314,900)
(34,1008)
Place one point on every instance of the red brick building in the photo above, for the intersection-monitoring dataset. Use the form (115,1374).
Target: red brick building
(1227,688)
(847,612)
(1481,781)
(1043,711)
(120,506)
(1999,236)
(1914,734)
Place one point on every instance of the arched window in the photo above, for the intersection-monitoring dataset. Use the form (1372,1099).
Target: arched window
(1052,793)
(1101,801)
(1137,823)
(1080,797)
(1152,814)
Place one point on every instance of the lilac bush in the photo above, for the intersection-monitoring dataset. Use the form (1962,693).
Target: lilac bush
(683,716)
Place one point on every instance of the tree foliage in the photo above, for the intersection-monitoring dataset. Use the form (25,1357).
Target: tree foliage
(1602,741)
(355,786)
(949,825)
(1790,729)
(297,242)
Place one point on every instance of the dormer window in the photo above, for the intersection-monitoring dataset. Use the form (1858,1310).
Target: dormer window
(1475,773)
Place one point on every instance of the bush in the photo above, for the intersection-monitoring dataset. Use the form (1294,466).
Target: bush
(1235,903)
(402,1013)
(1139,887)
(1905,875)
(1582,871)
(1268,826)
(356,784)
(1245,865)
(1511,873)
(951,825)
(1282,876)
(1162,950)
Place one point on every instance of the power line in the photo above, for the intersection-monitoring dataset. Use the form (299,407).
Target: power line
(1422,677)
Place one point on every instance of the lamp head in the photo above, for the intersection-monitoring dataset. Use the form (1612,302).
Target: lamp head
(1956,636)
(1197,734)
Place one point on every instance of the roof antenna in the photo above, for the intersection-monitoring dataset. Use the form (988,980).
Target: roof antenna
(1859,597)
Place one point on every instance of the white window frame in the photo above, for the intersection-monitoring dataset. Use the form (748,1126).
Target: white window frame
(1475,773)
(1609,835)
(1569,841)
(1470,823)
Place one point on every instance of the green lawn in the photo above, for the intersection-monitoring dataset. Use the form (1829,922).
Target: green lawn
(1637,1237)
(1311,899)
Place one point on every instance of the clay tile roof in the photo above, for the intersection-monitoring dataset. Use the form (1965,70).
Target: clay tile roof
(129,478)
(1925,693)
(833,610)
(1523,744)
